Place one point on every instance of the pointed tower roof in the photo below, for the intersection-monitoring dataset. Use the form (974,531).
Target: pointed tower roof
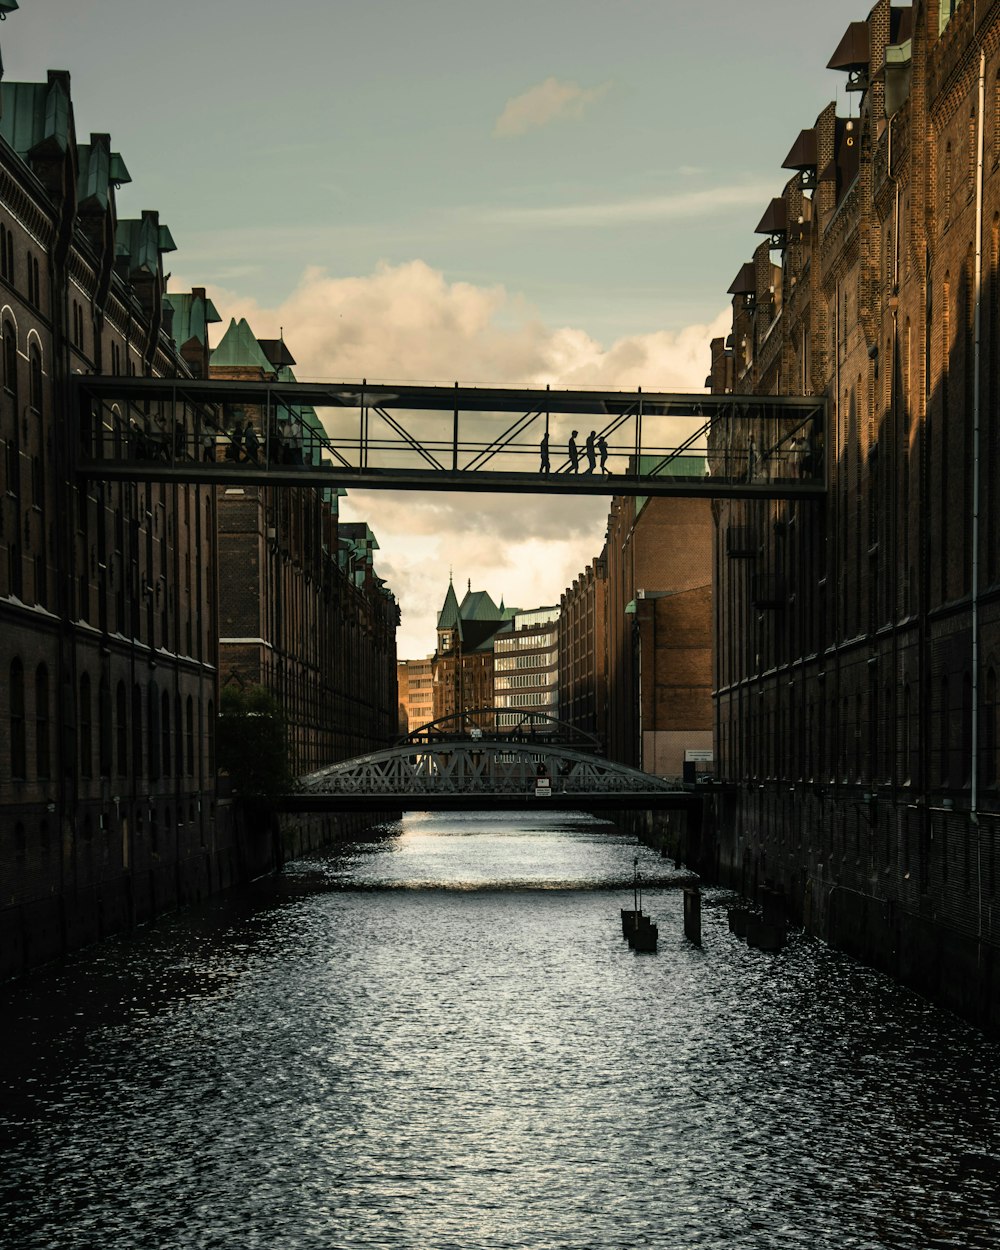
(239,348)
(449,617)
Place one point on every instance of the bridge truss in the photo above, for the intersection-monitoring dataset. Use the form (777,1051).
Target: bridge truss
(491,773)
(364,435)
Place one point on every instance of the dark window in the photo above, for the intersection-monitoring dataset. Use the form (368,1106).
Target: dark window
(165,730)
(43,760)
(121,727)
(18,745)
(153,719)
(136,732)
(105,732)
(35,378)
(190,736)
(86,729)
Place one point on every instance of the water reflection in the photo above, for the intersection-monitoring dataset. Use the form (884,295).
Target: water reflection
(440,1039)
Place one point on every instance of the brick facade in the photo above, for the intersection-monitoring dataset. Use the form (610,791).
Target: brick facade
(858,639)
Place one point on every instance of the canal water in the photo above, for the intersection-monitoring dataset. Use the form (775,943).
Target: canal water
(440,1041)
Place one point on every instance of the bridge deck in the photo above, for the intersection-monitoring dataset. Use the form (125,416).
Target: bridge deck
(341,435)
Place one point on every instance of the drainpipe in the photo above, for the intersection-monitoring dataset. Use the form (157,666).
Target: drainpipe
(977,355)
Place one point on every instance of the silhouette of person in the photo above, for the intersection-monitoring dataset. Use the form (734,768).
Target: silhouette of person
(591,454)
(543,448)
(602,447)
(251,442)
(235,442)
(574,455)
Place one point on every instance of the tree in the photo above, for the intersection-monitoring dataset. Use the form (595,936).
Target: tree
(252,745)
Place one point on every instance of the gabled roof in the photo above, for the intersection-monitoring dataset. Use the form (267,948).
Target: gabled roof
(35,116)
(194,312)
(478,606)
(240,348)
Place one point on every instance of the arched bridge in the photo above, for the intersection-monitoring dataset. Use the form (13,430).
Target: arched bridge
(484,772)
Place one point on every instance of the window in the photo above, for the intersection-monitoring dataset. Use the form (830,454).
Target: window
(121,727)
(165,730)
(86,729)
(35,378)
(43,761)
(153,719)
(18,744)
(136,731)
(190,736)
(105,731)
(7,254)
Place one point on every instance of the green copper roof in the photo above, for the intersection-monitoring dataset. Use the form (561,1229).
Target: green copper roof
(34,116)
(95,175)
(193,314)
(119,174)
(8,6)
(478,606)
(142,240)
(239,348)
(449,617)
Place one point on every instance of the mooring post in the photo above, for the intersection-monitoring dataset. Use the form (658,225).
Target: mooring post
(692,914)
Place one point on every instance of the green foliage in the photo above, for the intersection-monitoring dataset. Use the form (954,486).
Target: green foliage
(252,746)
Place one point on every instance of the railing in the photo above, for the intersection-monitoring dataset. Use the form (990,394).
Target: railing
(454,438)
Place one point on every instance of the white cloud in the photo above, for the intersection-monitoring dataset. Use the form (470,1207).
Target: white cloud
(407,322)
(678,206)
(550,101)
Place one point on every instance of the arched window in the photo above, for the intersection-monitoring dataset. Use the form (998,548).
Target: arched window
(86,729)
(210,737)
(18,744)
(165,730)
(190,736)
(10,358)
(153,730)
(136,732)
(43,760)
(105,731)
(178,738)
(35,378)
(121,729)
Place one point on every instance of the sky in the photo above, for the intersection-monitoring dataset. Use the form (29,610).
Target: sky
(554,192)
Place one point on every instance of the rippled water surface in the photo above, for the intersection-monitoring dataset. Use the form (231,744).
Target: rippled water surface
(441,1040)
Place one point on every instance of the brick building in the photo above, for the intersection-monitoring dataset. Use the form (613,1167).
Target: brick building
(635,636)
(463,660)
(301,610)
(583,689)
(858,639)
(107,633)
(659,631)
(110,808)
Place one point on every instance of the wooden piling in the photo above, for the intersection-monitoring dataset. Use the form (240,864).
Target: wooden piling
(692,914)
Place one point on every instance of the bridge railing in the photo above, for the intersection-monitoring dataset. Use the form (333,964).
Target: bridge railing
(450,437)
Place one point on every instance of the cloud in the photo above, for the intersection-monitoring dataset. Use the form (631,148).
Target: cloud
(407,322)
(550,101)
(678,206)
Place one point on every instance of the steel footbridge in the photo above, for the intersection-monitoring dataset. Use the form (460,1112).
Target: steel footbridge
(440,768)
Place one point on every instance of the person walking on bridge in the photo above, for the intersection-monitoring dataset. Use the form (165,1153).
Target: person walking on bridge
(591,453)
(574,455)
(602,447)
(543,450)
